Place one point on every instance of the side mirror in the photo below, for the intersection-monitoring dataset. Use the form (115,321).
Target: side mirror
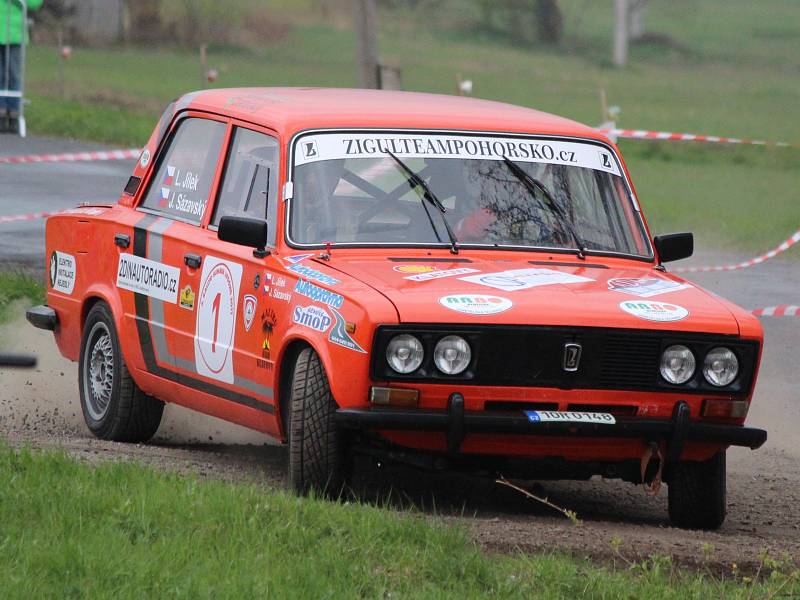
(674,246)
(245,232)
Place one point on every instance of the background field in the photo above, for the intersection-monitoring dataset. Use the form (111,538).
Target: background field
(731,69)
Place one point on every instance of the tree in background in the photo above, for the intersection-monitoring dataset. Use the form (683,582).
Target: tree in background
(519,19)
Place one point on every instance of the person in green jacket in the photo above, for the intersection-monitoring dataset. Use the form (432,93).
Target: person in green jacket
(13,32)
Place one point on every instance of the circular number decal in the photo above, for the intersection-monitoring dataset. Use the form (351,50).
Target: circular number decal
(216,318)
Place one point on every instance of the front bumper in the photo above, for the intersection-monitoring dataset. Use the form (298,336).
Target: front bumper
(456,423)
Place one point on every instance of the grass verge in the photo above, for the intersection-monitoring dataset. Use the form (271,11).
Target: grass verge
(123,531)
(17,286)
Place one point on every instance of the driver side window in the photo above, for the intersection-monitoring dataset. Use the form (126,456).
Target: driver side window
(250,180)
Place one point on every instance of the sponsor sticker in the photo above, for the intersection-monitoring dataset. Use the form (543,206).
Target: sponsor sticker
(654,311)
(414,268)
(187,298)
(268,322)
(297,258)
(63,272)
(249,304)
(339,334)
(476,304)
(313,274)
(313,317)
(318,294)
(522,279)
(216,317)
(332,146)
(144,159)
(441,274)
(555,416)
(148,277)
(645,287)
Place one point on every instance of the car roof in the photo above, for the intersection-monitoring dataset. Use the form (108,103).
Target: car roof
(289,110)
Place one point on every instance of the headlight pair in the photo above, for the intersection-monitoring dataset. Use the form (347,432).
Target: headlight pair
(451,355)
(720,366)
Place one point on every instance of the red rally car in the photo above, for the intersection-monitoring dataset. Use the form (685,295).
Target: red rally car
(449,282)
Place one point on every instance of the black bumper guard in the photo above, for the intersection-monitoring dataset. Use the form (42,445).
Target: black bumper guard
(457,423)
(42,317)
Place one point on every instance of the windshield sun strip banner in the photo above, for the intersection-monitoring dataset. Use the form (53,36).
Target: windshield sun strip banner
(341,145)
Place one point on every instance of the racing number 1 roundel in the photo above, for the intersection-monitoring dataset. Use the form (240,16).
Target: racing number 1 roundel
(215,327)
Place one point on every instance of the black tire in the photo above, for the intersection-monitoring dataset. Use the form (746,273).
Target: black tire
(114,407)
(317,449)
(697,493)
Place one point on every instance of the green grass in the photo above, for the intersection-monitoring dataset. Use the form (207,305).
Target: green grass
(16,287)
(730,70)
(68,530)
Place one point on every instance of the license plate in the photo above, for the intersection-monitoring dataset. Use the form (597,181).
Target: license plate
(557,416)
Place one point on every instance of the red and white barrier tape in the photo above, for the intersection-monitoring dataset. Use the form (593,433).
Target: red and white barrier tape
(643,134)
(748,263)
(782,310)
(28,217)
(73,156)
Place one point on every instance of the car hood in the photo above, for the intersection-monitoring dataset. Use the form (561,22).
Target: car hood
(557,291)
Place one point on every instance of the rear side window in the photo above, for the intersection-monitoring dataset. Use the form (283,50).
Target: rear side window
(250,182)
(183,181)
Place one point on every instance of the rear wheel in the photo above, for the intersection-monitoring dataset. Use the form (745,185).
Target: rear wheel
(317,448)
(114,407)
(697,493)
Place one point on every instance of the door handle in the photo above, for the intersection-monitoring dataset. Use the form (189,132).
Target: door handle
(192,260)
(122,240)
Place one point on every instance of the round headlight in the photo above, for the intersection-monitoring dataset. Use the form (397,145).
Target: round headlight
(677,364)
(452,355)
(720,367)
(404,353)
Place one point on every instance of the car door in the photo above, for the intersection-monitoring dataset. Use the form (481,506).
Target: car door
(160,269)
(239,298)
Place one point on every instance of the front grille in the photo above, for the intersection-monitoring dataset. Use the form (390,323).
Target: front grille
(533,356)
(629,361)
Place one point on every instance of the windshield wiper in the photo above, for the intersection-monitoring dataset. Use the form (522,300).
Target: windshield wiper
(415,181)
(532,184)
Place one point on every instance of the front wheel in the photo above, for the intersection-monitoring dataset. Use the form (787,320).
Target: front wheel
(697,493)
(317,448)
(114,407)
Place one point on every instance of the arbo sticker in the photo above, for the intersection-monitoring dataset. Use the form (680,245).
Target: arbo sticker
(654,311)
(216,318)
(476,304)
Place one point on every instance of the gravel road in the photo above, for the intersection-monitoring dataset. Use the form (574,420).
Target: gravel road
(40,408)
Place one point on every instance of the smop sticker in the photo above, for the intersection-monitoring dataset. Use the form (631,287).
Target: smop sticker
(314,317)
(654,311)
(476,304)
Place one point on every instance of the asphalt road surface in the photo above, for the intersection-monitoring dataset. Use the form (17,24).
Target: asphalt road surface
(41,408)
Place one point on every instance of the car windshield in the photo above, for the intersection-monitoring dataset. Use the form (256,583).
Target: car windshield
(349,190)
